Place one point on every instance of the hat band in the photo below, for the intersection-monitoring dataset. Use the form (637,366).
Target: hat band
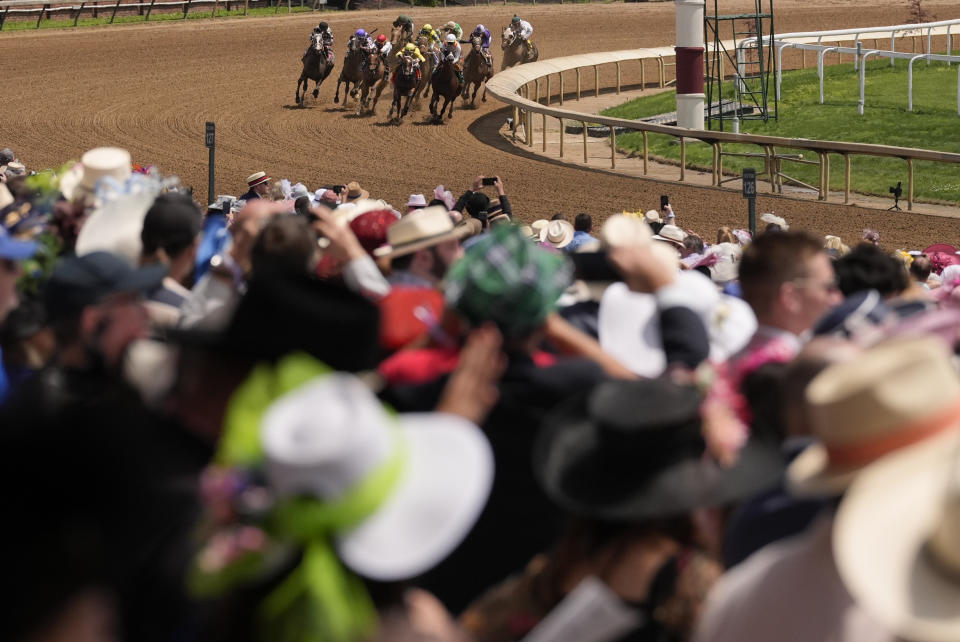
(400,246)
(860,454)
(258,181)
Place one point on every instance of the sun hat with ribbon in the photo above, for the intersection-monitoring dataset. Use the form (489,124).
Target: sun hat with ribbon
(358,491)
(896,540)
(419,230)
(256,178)
(894,394)
(416,201)
(507,279)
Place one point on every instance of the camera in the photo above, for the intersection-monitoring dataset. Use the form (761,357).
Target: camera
(490,180)
(897,191)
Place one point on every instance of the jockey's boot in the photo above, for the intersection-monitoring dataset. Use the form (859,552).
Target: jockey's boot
(530,45)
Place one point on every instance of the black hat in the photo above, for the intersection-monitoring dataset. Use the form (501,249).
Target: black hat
(633,450)
(280,315)
(477,202)
(860,310)
(79,281)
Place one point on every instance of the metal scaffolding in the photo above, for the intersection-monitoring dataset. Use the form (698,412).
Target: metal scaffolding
(753,63)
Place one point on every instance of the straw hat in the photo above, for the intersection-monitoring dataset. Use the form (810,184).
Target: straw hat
(557,233)
(420,229)
(354,191)
(100,162)
(893,395)
(671,234)
(896,540)
(255,179)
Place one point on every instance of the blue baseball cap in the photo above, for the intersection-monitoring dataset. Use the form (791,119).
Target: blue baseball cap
(14,250)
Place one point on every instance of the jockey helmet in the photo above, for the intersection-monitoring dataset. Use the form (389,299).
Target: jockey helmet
(450,25)
(381,38)
(427,28)
(410,47)
(322,26)
(479,30)
(451,37)
(360,33)
(516,20)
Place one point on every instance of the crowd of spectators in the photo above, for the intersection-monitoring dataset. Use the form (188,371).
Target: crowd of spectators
(308,415)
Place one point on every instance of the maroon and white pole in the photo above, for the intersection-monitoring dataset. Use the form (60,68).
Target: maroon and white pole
(690,52)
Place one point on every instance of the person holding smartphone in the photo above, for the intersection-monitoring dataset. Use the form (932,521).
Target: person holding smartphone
(477,204)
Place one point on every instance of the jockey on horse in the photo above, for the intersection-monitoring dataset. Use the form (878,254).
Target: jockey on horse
(360,40)
(452,48)
(407,23)
(484,34)
(383,47)
(326,34)
(523,28)
(452,27)
(414,52)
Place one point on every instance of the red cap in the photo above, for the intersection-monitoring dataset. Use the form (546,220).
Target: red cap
(371,228)
(382,38)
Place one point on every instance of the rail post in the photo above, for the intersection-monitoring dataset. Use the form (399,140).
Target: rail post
(150,10)
(584,140)
(618,77)
(643,75)
(544,132)
(562,131)
(846,179)
(548,91)
(714,179)
(114,14)
(909,184)
(578,83)
(596,80)
(186,9)
(645,151)
(662,70)
(530,125)
(683,159)
(613,148)
(719,164)
(561,87)
(246,6)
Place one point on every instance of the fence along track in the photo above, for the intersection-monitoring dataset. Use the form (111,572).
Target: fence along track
(515,87)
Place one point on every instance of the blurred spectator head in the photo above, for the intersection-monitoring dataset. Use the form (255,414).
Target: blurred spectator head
(867,267)
(583,223)
(287,245)
(171,233)
(725,235)
(788,280)
(920,268)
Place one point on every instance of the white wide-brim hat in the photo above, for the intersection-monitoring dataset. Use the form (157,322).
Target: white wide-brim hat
(100,162)
(557,233)
(330,434)
(629,325)
(115,226)
(881,535)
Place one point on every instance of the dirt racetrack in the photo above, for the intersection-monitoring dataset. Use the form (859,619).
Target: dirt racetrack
(150,88)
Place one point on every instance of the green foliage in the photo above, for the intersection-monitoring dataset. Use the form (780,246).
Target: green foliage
(104,18)
(933,124)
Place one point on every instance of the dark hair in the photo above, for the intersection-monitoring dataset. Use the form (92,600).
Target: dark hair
(867,267)
(559,216)
(920,268)
(477,202)
(171,224)
(285,246)
(772,260)
(302,206)
(583,222)
(402,262)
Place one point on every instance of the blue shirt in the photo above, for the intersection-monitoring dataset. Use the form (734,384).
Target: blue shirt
(579,238)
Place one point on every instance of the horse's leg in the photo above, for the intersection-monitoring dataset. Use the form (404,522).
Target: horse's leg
(453,101)
(336,94)
(316,88)
(297,95)
(376,95)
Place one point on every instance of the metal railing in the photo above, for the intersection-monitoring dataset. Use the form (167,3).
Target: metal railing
(520,87)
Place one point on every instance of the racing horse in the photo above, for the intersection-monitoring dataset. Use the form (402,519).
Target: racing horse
(404,85)
(374,80)
(446,85)
(515,51)
(397,38)
(423,43)
(317,65)
(476,71)
(352,71)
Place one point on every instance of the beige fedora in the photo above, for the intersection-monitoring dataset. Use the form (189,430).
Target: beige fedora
(896,540)
(557,233)
(629,231)
(652,216)
(100,162)
(421,229)
(893,395)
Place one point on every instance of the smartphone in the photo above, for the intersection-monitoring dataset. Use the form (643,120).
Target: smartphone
(664,201)
(490,180)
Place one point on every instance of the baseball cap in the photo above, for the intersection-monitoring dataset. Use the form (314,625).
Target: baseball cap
(80,281)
